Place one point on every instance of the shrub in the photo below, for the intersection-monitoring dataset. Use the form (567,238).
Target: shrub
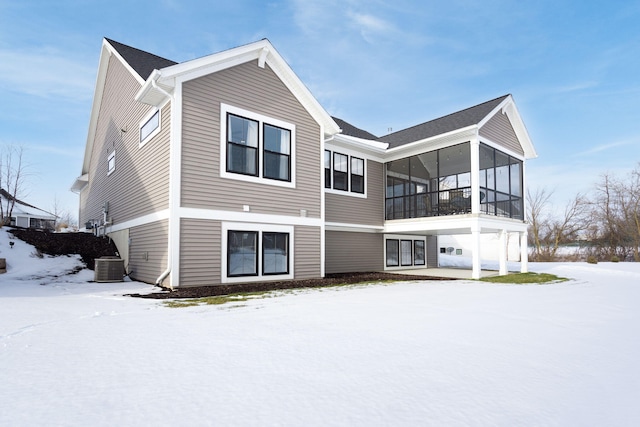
(591,259)
(615,259)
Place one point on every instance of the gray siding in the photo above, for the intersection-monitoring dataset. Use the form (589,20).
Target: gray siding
(258,90)
(355,210)
(348,252)
(432,251)
(307,252)
(148,251)
(499,130)
(140,183)
(200,252)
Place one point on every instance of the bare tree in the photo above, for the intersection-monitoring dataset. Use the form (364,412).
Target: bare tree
(548,232)
(616,215)
(12,176)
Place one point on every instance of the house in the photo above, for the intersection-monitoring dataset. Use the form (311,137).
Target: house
(26,215)
(226,169)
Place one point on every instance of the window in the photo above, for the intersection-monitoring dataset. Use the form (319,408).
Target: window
(406,254)
(242,255)
(111,163)
(242,145)
(327,169)
(500,184)
(340,172)
(393,253)
(275,253)
(149,127)
(409,251)
(357,175)
(345,174)
(418,252)
(277,153)
(254,252)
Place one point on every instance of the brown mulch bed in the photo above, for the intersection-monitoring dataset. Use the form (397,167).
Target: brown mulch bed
(329,280)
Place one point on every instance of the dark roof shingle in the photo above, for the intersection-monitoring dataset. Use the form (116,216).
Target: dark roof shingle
(461,119)
(350,130)
(142,62)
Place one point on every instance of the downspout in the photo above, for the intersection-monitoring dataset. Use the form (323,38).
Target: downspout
(154,83)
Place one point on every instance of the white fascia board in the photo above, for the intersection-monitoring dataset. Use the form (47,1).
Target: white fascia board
(454,224)
(444,140)
(508,107)
(371,149)
(80,183)
(263,52)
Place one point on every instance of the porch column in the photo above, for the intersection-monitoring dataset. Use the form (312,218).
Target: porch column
(524,252)
(502,252)
(475,252)
(475,175)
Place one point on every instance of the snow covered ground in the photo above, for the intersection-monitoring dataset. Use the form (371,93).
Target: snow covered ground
(463,353)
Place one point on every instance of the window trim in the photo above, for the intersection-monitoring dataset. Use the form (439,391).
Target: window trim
(288,238)
(398,238)
(111,163)
(264,150)
(350,155)
(226,109)
(260,229)
(144,122)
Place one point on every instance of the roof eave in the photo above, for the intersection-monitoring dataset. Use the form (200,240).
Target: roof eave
(262,51)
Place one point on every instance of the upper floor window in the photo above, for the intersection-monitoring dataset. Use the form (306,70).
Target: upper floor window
(257,148)
(345,174)
(149,127)
(111,163)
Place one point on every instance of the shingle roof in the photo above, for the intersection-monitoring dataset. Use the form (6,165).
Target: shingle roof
(461,119)
(142,62)
(350,130)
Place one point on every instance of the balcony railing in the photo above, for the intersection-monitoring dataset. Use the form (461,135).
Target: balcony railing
(452,202)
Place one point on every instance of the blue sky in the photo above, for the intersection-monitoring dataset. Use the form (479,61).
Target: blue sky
(573,68)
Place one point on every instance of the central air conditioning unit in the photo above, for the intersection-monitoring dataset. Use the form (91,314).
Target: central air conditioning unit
(109,269)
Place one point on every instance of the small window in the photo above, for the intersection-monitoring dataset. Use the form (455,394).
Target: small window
(277,153)
(340,172)
(242,253)
(327,169)
(418,252)
(242,145)
(357,175)
(393,253)
(150,127)
(275,253)
(111,163)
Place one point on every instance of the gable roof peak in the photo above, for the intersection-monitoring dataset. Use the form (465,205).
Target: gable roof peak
(140,61)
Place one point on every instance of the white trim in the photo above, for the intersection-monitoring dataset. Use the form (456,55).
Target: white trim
(145,121)
(175,185)
(323,243)
(433,143)
(142,220)
(260,228)
(262,120)
(400,237)
(360,228)
(218,215)
(350,154)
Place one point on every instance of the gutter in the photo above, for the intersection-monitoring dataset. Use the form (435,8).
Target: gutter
(155,75)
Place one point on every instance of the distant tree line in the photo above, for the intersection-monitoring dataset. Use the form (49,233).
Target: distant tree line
(605,225)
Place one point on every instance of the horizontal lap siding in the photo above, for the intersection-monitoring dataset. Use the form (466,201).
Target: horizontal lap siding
(257,90)
(348,252)
(432,251)
(355,210)
(200,252)
(140,183)
(148,251)
(307,252)
(499,130)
